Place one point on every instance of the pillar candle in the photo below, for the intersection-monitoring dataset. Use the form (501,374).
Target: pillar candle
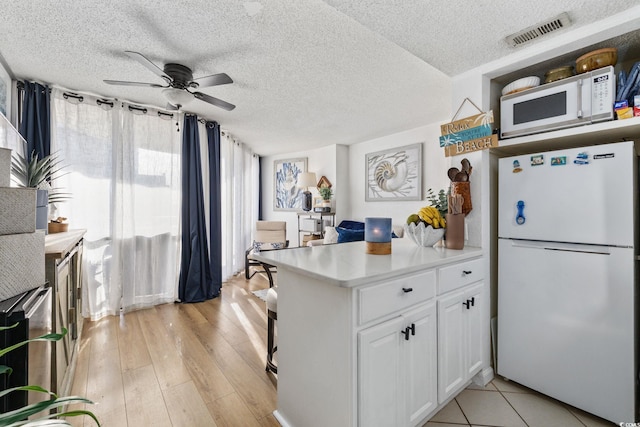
(377,230)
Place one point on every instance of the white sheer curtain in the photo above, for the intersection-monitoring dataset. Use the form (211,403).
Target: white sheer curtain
(239,172)
(124,175)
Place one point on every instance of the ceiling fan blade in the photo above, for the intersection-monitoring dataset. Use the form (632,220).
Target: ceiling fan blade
(150,65)
(213,80)
(214,101)
(121,83)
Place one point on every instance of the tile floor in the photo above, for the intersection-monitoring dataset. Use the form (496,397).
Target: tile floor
(507,404)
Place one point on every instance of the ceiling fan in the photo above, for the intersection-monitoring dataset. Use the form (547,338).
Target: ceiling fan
(180,83)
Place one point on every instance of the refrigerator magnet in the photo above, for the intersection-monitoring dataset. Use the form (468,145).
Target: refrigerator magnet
(516,166)
(559,161)
(582,158)
(537,160)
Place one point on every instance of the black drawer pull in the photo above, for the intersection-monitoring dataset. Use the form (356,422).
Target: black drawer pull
(407,290)
(465,272)
(405,333)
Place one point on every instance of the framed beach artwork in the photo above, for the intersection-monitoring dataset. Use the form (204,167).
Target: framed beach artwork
(394,174)
(287,196)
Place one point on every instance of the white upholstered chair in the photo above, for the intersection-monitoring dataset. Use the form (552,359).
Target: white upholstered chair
(268,235)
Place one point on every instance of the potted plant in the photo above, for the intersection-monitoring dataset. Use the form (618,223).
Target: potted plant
(326,193)
(18,417)
(38,173)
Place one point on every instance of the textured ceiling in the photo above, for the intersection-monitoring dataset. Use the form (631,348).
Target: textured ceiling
(306,73)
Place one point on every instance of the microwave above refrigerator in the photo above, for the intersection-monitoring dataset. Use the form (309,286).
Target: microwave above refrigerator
(579,100)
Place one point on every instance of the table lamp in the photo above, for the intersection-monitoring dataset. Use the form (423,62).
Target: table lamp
(306,180)
(377,235)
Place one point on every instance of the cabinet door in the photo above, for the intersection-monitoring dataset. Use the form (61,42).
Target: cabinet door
(63,353)
(451,348)
(474,327)
(420,363)
(379,373)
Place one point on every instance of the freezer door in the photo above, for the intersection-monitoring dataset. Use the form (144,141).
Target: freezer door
(581,195)
(566,323)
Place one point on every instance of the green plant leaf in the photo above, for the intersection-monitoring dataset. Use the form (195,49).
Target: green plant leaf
(35,173)
(27,388)
(46,337)
(51,419)
(5,370)
(19,414)
(4,328)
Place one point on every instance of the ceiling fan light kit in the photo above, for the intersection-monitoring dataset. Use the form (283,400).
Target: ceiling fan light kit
(177,96)
(179,80)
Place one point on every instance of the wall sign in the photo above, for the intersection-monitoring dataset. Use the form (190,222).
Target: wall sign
(468,134)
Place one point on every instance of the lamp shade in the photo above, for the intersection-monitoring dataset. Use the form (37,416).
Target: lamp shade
(177,96)
(307,179)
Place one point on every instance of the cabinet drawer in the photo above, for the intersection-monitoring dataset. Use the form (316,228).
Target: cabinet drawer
(388,297)
(459,275)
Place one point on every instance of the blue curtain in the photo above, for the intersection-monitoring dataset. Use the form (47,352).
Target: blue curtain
(260,188)
(196,282)
(215,206)
(34,125)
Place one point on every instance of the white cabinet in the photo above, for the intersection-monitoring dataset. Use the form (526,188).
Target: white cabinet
(63,267)
(358,338)
(459,338)
(397,369)
(420,359)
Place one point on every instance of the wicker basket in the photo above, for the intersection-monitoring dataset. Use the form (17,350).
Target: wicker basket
(58,227)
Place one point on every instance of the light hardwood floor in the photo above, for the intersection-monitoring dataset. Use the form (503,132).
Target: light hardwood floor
(180,364)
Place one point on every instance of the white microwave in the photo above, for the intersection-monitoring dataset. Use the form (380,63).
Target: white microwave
(582,99)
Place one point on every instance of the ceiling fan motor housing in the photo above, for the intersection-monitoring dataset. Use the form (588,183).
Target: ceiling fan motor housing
(182,76)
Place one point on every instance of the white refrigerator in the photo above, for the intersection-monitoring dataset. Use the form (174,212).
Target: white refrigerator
(567,282)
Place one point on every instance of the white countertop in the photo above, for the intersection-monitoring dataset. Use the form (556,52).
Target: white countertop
(347,264)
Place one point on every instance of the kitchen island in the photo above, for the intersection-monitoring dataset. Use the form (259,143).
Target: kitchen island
(367,340)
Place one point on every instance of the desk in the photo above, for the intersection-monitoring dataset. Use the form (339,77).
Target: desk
(313,233)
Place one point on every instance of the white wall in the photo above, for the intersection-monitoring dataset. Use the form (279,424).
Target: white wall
(434,172)
(344,166)
(322,161)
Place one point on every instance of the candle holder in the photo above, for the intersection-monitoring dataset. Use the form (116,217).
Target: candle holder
(377,235)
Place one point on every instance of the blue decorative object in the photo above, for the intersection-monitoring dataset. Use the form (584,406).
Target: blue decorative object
(349,235)
(377,230)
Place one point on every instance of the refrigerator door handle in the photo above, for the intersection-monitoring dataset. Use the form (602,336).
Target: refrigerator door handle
(555,246)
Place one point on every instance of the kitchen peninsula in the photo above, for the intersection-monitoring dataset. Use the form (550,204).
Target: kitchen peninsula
(377,339)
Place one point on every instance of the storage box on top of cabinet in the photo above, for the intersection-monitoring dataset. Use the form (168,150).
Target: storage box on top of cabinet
(5,167)
(21,263)
(17,210)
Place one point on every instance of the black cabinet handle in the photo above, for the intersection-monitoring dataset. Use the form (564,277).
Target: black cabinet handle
(405,333)
(470,302)
(412,328)
(465,272)
(406,290)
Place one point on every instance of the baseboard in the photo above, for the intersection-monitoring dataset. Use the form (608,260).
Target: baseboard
(281,419)
(483,377)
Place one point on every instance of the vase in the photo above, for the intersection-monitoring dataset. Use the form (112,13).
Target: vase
(463,189)
(454,235)
(42,209)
